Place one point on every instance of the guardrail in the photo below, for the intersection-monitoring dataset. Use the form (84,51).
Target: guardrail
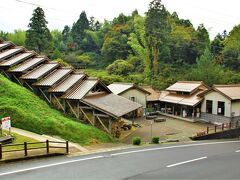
(222,127)
(45,145)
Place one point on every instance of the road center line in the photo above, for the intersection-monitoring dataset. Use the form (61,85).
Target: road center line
(172,147)
(49,165)
(185,162)
(237,151)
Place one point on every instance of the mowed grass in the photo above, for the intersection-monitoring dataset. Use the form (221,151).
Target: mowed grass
(29,112)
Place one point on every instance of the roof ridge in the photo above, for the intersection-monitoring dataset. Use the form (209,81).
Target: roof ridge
(226,85)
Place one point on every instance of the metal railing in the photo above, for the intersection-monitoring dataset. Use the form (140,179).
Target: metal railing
(25,147)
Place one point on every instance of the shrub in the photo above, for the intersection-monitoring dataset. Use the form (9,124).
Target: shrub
(136,141)
(155,140)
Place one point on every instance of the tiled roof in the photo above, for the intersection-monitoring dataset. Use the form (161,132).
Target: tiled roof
(111,104)
(26,65)
(10,52)
(4,45)
(81,89)
(118,88)
(184,86)
(17,59)
(154,94)
(40,71)
(54,77)
(67,83)
(189,100)
(231,91)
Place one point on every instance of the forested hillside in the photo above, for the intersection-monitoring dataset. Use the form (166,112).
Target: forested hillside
(158,48)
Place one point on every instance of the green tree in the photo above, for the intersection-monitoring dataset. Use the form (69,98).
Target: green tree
(18,37)
(120,67)
(207,70)
(157,30)
(232,49)
(38,36)
(78,29)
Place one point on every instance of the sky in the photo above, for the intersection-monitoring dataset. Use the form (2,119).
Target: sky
(216,15)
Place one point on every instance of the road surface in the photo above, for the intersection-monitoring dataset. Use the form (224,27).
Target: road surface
(200,160)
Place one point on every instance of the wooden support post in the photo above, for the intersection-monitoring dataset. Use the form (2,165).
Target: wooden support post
(30,87)
(85,115)
(223,127)
(215,128)
(78,110)
(1,151)
(72,109)
(106,129)
(230,125)
(47,146)
(50,98)
(17,80)
(67,147)
(64,106)
(207,130)
(25,149)
(59,103)
(110,125)
(44,95)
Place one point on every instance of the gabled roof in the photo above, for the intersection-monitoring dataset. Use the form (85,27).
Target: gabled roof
(29,64)
(111,104)
(185,86)
(188,100)
(119,87)
(54,77)
(232,92)
(17,59)
(67,83)
(10,52)
(81,89)
(40,71)
(154,94)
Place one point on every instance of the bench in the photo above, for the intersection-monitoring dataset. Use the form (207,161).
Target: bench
(6,139)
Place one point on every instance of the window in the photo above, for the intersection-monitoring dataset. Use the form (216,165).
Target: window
(209,104)
(221,108)
(132,99)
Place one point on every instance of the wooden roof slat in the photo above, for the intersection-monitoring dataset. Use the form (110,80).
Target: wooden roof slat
(67,83)
(40,71)
(29,64)
(54,77)
(17,59)
(10,52)
(81,89)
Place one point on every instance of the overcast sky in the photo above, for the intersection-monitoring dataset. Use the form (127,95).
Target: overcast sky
(216,15)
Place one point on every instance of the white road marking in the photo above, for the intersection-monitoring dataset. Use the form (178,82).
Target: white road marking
(50,165)
(185,162)
(237,151)
(115,154)
(172,147)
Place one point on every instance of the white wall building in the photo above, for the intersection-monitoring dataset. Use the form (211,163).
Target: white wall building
(221,104)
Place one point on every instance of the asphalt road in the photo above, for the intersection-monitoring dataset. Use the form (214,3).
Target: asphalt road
(208,160)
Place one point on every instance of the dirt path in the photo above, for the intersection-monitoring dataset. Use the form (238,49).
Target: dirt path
(171,129)
(74,147)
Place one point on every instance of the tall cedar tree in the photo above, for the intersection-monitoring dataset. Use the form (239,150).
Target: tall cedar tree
(78,29)
(38,36)
(156,30)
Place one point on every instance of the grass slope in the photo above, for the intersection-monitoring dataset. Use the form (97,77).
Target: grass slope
(31,113)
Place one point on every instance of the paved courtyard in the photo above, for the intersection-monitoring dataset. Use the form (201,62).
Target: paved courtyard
(171,129)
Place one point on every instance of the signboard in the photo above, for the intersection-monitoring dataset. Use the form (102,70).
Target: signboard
(6,123)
